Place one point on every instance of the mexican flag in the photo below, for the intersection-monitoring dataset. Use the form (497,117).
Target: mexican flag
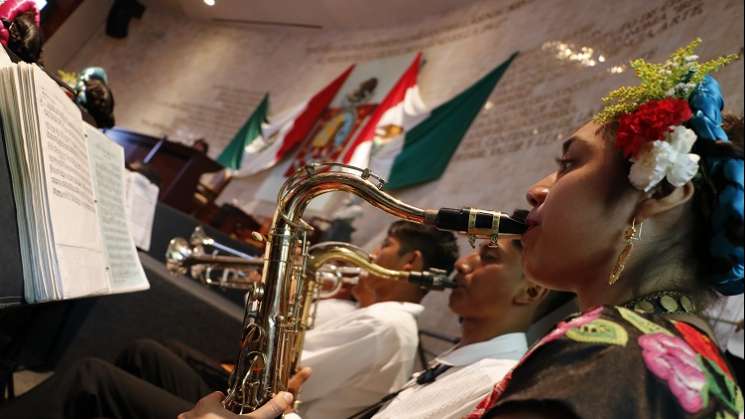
(279,137)
(418,148)
(382,135)
(232,156)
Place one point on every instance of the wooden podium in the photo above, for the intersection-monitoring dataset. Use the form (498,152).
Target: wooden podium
(178,166)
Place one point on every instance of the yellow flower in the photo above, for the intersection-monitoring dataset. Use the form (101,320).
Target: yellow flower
(676,77)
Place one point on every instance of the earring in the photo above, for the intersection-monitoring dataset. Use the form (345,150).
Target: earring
(629,236)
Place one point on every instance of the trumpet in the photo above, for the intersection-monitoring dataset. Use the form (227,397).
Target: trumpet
(192,257)
(276,308)
(189,257)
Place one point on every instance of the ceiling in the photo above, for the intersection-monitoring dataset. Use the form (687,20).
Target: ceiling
(327,14)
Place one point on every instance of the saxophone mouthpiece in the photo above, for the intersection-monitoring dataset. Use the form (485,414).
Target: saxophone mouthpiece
(476,222)
(432,279)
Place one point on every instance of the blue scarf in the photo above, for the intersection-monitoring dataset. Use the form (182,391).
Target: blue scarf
(726,175)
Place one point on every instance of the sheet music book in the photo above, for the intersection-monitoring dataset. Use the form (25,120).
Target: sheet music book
(140,199)
(68,188)
(4,58)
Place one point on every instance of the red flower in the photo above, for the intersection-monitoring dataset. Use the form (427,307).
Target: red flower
(649,122)
(703,345)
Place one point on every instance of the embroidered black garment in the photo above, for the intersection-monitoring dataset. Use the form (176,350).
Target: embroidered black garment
(615,363)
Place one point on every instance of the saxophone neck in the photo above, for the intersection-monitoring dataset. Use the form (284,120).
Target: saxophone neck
(324,253)
(316,180)
(319,179)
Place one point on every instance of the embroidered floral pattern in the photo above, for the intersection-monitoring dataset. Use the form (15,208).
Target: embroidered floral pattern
(560,330)
(703,345)
(692,367)
(672,360)
(721,387)
(599,331)
(720,382)
(684,363)
(640,322)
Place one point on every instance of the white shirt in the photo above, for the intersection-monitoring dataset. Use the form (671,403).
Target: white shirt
(474,370)
(731,310)
(358,358)
(332,308)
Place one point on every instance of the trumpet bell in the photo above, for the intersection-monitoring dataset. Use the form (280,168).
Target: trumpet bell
(331,278)
(177,253)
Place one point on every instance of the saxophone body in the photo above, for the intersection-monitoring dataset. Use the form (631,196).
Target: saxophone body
(273,319)
(327,263)
(279,310)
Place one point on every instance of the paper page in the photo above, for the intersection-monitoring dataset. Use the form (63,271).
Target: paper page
(14,142)
(140,199)
(69,189)
(7,91)
(4,58)
(48,282)
(20,126)
(107,158)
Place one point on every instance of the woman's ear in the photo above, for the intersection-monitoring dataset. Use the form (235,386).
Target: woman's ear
(654,205)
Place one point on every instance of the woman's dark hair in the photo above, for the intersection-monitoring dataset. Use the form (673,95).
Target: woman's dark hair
(439,248)
(25,37)
(704,200)
(99,102)
(706,196)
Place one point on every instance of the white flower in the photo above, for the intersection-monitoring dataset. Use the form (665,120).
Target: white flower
(681,90)
(684,165)
(665,159)
(649,166)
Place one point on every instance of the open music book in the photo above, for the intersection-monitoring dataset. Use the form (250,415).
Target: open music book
(140,199)
(68,187)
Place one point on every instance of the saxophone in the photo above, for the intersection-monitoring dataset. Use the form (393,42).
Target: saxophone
(326,256)
(189,257)
(273,322)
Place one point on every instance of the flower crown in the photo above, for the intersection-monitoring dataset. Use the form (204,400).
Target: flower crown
(678,104)
(9,10)
(650,116)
